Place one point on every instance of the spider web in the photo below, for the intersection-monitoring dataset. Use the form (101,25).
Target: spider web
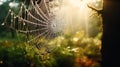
(36,21)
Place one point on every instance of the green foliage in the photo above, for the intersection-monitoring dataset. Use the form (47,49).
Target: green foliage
(69,52)
(12,55)
(62,59)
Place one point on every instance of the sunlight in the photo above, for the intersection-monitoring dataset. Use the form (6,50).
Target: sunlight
(97,4)
(13,4)
(74,14)
(2,1)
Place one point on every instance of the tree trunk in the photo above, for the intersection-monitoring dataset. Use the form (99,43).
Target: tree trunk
(110,41)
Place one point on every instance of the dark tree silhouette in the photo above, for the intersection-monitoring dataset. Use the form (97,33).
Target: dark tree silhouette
(110,41)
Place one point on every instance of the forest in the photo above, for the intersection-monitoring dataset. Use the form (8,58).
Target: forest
(51,33)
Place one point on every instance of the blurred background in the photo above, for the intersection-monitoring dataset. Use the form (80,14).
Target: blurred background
(51,33)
